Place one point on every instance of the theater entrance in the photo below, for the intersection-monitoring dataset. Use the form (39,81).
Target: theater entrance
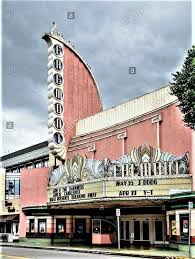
(142,231)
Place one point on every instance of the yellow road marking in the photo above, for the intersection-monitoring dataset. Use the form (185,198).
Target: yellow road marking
(14,257)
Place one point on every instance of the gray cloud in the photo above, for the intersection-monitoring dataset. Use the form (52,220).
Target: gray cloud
(110,36)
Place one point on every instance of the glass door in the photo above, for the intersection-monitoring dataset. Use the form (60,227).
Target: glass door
(125,230)
(146,231)
(141,230)
(158,230)
(137,230)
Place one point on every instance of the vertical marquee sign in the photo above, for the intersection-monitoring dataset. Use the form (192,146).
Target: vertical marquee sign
(56,141)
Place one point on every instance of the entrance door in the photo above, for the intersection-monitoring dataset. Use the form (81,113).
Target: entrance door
(146,232)
(141,231)
(137,230)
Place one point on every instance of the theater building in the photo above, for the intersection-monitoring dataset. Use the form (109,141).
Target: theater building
(135,156)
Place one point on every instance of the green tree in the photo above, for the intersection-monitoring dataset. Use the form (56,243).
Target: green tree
(183,86)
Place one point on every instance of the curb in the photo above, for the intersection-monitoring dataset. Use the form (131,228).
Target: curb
(89,251)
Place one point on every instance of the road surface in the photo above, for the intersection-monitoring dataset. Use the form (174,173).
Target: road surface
(30,253)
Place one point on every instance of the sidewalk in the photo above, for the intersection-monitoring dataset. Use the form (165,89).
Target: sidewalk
(145,253)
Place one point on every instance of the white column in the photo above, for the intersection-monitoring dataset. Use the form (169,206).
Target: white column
(131,170)
(122,170)
(123,146)
(177,167)
(114,171)
(155,169)
(149,169)
(169,171)
(141,169)
(165,168)
(158,134)
(177,223)
(160,168)
(145,169)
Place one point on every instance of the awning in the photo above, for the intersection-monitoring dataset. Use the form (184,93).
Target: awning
(4,218)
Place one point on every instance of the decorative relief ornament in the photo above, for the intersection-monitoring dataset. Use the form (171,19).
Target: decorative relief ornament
(86,175)
(144,161)
(75,165)
(57,175)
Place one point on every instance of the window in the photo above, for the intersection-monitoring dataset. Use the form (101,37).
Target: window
(80,226)
(31,225)
(42,226)
(58,51)
(106,227)
(184,227)
(58,94)
(60,226)
(12,187)
(172,224)
(58,123)
(58,64)
(17,187)
(58,108)
(96,226)
(58,138)
(58,80)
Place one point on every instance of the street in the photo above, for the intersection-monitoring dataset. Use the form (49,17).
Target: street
(28,253)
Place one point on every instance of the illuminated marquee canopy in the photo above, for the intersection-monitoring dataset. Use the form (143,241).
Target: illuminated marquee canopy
(146,171)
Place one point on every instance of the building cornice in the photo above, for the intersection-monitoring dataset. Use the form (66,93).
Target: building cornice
(24,151)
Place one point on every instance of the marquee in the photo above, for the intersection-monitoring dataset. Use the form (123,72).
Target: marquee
(145,172)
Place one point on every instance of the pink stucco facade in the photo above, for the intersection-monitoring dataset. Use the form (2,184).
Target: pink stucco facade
(81,97)
(174,137)
(33,189)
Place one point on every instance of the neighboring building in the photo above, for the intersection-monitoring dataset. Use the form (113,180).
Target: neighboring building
(12,164)
(180,214)
(135,156)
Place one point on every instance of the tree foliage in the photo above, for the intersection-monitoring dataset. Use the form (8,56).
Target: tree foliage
(183,86)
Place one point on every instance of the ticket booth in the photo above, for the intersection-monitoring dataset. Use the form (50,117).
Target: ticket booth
(103,232)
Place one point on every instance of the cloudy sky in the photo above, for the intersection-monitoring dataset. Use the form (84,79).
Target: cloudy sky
(110,36)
